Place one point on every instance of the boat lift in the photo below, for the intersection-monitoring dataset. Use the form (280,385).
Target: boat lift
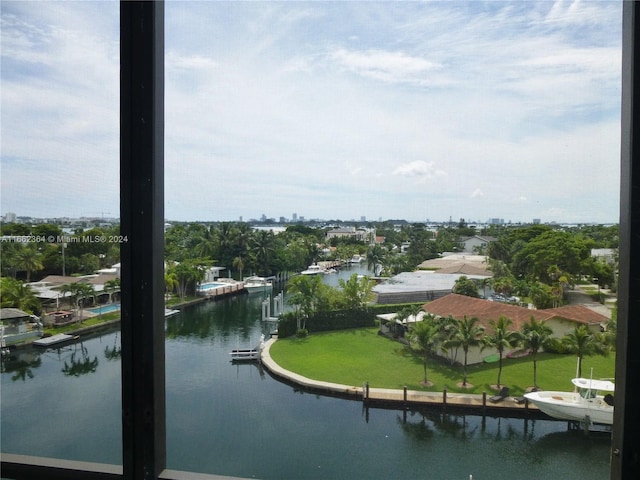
(278,308)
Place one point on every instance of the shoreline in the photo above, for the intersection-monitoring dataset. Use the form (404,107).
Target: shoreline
(404,399)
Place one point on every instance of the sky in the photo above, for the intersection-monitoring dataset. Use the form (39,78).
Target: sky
(331,110)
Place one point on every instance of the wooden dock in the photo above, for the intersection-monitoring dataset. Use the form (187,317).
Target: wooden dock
(53,340)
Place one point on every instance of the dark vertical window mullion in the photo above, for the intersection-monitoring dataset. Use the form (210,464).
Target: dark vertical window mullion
(142,220)
(625,458)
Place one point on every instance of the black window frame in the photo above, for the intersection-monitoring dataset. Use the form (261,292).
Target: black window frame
(142,218)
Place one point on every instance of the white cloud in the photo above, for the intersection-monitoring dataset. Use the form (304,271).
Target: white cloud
(386,66)
(418,168)
(515,103)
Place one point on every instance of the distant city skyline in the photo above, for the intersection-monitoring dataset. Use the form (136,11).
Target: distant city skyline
(12,217)
(335,110)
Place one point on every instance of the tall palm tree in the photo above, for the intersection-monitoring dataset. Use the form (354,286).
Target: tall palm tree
(305,293)
(583,342)
(79,292)
(262,250)
(465,334)
(423,338)
(501,338)
(534,337)
(238,264)
(375,257)
(111,287)
(28,258)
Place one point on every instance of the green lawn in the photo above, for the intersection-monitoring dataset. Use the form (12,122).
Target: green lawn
(352,357)
(87,322)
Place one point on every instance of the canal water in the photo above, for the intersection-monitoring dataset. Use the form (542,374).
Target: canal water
(237,420)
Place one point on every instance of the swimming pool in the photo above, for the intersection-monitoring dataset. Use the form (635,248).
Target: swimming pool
(203,287)
(112,307)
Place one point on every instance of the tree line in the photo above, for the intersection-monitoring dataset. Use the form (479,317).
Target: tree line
(440,334)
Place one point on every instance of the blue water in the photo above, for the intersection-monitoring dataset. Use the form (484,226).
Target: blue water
(112,307)
(203,287)
(235,419)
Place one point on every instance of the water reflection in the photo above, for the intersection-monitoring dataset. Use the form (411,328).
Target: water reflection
(21,364)
(81,365)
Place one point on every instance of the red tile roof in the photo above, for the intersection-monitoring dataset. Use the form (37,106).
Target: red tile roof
(460,305)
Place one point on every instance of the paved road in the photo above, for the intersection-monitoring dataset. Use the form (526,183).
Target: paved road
(579,297)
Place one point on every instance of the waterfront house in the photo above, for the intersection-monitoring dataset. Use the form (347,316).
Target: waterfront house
(17,326)
(561,320)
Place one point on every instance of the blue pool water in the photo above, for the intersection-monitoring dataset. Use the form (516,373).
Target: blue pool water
(112,307)
(203,287)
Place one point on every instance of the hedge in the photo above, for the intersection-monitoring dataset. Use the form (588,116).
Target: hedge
(337,319)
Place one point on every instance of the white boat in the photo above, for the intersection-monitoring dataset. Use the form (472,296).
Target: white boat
(313,270)
(257,284)
(168,312)
(588,404)
(248,354)
(356,259)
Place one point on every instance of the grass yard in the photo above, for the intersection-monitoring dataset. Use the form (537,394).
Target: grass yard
(352,357)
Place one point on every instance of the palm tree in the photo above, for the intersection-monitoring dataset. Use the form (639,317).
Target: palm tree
(28,258)
(466,334)
(15,294)
(170,284)
(356,293)
(262,250)
(111,287)
(423,337)
(501,338)
(79,292)
(583,342)
(238,264)
(305,293)
(534,337)
(375,257)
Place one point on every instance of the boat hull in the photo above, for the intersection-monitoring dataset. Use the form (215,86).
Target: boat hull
(571,406)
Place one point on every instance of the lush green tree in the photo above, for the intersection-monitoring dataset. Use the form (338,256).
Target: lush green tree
(423,338)
(262,250)
(356,292)
(79,292)
(46,230)
(375,258)
(17,229)
(583,342)
(554,248)
(170,283)
(535,335)
(501,338)
(188,274)
(15,294)
(308,294)
(465,334)
(540,294)
(29,258)
(111,287)
(465,286)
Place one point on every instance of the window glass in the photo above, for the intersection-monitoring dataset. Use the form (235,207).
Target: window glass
(328,115)
(60,214)
(363,115)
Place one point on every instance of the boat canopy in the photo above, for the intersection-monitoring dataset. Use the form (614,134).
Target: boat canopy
(604,385)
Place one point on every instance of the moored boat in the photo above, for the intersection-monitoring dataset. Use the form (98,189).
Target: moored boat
(313,270)
(588,404)
(257,284)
